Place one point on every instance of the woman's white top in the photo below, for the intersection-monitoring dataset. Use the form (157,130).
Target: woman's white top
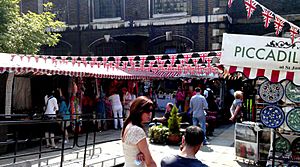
(131,138)
(115,101)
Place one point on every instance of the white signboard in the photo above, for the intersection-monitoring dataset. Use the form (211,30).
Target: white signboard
(260,52)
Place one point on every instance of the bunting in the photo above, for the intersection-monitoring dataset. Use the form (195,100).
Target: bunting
(278,23)
(230,3)
(141,63)
(293,33)
(267,16)
(250,7)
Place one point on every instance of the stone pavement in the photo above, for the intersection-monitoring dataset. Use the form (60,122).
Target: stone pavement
(218,154)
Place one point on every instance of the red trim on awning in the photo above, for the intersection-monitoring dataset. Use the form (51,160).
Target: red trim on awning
(290,76)
(274,76)
(260,72)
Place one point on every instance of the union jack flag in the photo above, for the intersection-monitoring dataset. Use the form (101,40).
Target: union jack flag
(230,3)
(293,32)
(278,23)
(250,7)
(268,16)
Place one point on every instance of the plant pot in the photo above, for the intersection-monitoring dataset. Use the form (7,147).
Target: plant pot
(174,139)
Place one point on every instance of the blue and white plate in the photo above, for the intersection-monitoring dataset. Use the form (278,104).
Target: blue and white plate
(271,92)
(272,116)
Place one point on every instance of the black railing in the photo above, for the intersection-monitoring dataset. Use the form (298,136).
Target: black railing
(29,131)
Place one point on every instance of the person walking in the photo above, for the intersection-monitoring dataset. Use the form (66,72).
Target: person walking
(180,99)
(117,109)
(191,143)
(236,107)
(198,105)
(65,115)
(135,146)
(51,107)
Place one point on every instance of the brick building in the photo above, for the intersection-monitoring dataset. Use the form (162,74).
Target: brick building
(130,27)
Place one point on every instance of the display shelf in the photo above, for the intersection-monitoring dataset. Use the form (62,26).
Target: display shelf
(282,131)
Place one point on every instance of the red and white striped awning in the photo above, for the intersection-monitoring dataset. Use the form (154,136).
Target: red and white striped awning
(272,75)
(21,65)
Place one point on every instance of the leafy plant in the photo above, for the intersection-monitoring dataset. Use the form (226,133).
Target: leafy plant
(158,134)
(26,33)
(174,121)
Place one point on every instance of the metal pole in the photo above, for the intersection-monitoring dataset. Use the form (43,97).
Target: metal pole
(16,146)
(41,143)
(63,144)
(273,145)
(85,147)
(94,140)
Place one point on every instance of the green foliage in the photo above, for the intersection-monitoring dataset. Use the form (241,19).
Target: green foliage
(158,134)
(174,121)
(26,33)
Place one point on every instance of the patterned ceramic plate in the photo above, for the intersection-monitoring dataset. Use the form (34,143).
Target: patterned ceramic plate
(282,145)
(296,149)
(271,92)
(292,92)
(293,119)
(272,116)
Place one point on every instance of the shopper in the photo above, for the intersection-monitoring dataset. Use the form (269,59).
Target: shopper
(198,105)
(65,115)
(117,109)
(127,98)
(236,107)
(51,107)
(180,99)
(191,143)
(133,134)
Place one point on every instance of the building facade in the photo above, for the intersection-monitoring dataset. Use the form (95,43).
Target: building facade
(130,27)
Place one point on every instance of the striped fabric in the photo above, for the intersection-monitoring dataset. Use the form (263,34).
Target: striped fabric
(272,75)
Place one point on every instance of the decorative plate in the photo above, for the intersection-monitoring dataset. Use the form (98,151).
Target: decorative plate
(271,92)
(293,119)
(292,92)
(296,149)
(282,145)
(272,116)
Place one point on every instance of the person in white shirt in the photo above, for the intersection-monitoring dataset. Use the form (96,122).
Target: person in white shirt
(51,107)
(117,109)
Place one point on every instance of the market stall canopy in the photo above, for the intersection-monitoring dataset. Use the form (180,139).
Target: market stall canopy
(261,56)
(197,64)
(47,65)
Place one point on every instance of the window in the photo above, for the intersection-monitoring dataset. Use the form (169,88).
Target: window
(170,6)
(107,9)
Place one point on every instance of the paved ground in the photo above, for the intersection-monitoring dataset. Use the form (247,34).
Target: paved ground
(218,154)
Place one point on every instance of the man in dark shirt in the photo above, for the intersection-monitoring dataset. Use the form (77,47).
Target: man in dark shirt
(191,143)
(165,118)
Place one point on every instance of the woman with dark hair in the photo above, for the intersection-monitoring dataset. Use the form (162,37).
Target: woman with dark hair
(134,136)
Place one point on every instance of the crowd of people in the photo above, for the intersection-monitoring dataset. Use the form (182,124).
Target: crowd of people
(133,134)
(131,114)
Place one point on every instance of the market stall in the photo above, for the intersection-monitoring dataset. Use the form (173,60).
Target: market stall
(272,64)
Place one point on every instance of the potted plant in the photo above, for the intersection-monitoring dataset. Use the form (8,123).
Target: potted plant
(174,136)
(158,134)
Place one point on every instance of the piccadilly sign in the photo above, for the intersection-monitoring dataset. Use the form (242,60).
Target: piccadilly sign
(260,52)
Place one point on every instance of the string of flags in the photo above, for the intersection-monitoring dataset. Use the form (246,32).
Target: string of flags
(187,62)
(268,16)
